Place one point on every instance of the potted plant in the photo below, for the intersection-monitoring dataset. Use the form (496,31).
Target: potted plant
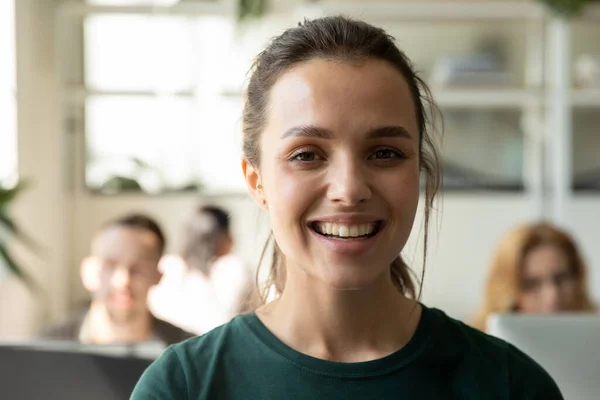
(566,8)
(10,231)
(251,8)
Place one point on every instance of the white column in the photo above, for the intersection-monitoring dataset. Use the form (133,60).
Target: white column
(559,118)
(42,209)
(532,121)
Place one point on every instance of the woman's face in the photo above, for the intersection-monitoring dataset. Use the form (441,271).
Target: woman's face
(547,284)
(340,170)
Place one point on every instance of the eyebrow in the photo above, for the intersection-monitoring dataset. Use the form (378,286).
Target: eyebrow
(392,131)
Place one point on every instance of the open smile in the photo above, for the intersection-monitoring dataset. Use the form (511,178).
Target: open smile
(348,238)
(346,231)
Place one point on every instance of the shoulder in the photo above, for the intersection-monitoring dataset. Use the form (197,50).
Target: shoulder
(496,359)
(528,379)
(168,333)
(189,366)
(200,350)
(164,379)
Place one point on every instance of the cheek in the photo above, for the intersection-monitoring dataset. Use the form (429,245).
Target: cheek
(290,194)
(286,189)
(568,291)
(402,193)
(104,282)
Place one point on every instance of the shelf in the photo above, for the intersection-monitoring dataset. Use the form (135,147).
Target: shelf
(486,97)
(387,10)
(217,7)
(78,95)
(586,97)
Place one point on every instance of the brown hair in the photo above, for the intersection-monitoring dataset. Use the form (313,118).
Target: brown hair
(141,222)
(341,39)
(204,232)
(504,280)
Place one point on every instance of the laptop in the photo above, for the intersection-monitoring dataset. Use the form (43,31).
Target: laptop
(566,345)
(64,371)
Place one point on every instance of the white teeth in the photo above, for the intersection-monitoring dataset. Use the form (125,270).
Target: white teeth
(343,230)
(363,229)
(335,230)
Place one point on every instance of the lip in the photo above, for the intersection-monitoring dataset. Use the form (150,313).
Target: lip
(348,219)
(122,300)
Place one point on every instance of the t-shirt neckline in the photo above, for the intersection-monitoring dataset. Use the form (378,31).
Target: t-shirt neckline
(398,359)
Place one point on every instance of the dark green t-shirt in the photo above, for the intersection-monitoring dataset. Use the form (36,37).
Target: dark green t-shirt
(445,359)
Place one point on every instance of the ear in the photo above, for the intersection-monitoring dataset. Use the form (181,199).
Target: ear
(90,273)
(159,272)
(254,183)
(157,278)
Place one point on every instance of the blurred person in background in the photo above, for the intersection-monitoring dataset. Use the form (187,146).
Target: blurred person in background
(536,269)
(122,268)
(207,285)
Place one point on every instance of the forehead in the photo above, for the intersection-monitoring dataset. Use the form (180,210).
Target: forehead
(120,241)
(342,96)
(545,259)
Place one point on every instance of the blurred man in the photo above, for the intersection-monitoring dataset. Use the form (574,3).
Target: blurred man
(122,268)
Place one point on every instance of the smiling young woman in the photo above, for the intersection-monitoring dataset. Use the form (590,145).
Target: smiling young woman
(335,140)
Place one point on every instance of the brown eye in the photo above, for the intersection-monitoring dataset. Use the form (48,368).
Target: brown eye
(304,156)
(386,154)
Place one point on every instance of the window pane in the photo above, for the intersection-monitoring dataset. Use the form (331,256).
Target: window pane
(163,144)
(8,140)
(144,53)
(137,2)
(586,54)
(7,45)
(217,146)
(8,116)
(146,139)
(482,149)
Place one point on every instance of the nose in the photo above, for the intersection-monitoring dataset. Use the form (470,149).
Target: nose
(347,182)
(121,277)
(550,297)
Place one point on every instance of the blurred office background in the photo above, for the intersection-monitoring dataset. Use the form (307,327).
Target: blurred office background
(112,106)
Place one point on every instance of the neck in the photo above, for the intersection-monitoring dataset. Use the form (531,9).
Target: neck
(341,325)
(104,330)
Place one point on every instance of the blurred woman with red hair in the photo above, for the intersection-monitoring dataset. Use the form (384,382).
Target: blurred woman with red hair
(536,269)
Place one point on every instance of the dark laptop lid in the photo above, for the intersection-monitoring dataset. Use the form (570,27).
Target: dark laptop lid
(31,373)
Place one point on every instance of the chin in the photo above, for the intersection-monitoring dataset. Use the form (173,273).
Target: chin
(353,280)
(121,315)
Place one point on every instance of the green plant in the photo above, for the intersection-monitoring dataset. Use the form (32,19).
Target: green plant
(566,8)
(9,231)
(251,8)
